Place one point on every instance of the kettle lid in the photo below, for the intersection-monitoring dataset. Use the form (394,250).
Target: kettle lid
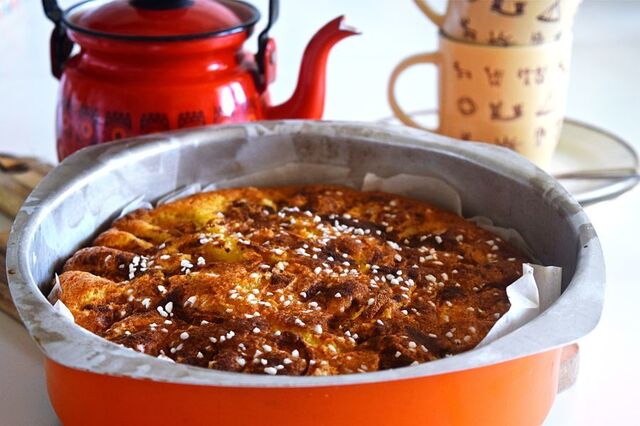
(160,20)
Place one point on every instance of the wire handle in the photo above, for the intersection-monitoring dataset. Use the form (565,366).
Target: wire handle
(53,11)
(263,40)
(60,46)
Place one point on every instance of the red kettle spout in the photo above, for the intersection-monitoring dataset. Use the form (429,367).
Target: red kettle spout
(307,100)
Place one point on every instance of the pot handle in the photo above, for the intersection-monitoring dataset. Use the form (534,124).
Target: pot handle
(266,47)
(60,46)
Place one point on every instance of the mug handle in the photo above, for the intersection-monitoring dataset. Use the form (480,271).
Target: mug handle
(433,16)
(421,58)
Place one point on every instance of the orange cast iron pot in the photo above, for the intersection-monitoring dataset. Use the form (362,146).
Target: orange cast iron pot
(472,397)
(92,381)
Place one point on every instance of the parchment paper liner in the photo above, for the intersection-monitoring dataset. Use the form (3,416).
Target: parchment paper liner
(529,296)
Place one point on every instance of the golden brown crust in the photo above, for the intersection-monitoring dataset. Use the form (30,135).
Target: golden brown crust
(299,280)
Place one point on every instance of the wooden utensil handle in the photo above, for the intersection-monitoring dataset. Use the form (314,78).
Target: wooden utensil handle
(18,177)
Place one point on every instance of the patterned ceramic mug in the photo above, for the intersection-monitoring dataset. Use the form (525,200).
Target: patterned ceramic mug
(514,97)
(504,22)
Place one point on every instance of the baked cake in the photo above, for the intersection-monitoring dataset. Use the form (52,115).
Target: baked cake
(297,280)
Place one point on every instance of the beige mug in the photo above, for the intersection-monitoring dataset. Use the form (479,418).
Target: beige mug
(509,96)
(504,22)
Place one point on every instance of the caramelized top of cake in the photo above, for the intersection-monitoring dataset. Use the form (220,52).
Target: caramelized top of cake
(298,280)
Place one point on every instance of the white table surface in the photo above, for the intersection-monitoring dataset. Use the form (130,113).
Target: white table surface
(604,91)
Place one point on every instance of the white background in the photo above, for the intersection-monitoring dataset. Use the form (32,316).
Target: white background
(604,91)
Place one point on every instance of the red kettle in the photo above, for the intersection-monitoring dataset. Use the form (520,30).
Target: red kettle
(146,66)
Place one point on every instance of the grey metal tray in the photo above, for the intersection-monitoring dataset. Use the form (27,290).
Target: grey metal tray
(88,189)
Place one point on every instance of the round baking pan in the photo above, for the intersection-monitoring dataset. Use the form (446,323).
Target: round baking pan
(508,382)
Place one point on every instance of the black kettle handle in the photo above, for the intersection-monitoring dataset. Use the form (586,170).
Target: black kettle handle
(53,11)
(60,44)
(161,4)
(263,38)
